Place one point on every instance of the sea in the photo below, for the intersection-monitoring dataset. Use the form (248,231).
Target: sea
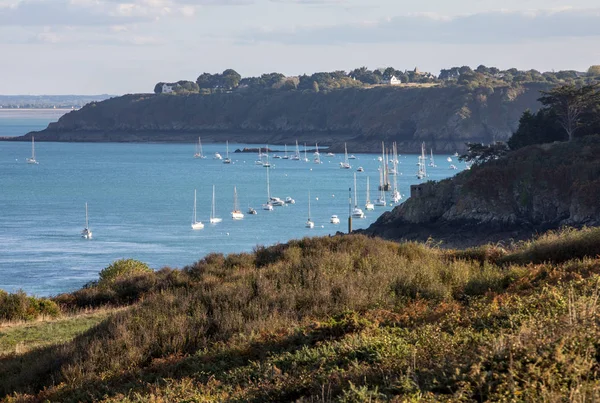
(140,200)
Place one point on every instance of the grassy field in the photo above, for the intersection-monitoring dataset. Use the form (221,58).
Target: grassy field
(333,319)
(22,337)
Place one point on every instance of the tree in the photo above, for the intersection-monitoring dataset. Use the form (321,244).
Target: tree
(594,71)
(478,153)
(206,80)
(570,103)
(315,86)
(537,128)
(230,78)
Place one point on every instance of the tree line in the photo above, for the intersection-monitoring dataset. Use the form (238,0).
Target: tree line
(482,76)
(568,112)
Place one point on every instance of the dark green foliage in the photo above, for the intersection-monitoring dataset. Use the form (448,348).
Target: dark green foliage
(575,107)
(537,128)
(478,153)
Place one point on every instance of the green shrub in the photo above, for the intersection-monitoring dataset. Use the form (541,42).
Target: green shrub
(19,306)
(121,269)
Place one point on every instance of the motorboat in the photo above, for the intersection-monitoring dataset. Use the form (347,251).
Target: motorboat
(289,200)
(334,219)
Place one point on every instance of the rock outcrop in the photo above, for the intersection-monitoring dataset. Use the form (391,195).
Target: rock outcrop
(530,190)
(444,117)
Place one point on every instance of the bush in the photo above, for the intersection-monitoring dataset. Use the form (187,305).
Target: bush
(19,306)
(121,269)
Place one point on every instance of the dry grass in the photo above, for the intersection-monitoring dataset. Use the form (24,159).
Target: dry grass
(344,318)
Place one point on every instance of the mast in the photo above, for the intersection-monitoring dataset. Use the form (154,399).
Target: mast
(200,146)
(32,148)
(306,159)
(235,202)
(86,215)
(227,150)
(368,196)
(194,221)
(268,186)
(212,210)
(355,197)
(309,205)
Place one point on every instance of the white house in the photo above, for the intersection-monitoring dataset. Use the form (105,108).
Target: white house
(167,89)
(395,81)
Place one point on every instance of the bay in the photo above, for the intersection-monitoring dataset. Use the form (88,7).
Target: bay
(140,199)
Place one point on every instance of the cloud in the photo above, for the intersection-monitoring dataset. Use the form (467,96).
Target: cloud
(489,27)
(98,12)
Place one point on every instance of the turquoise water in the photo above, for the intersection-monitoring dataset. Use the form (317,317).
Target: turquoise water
(140,199)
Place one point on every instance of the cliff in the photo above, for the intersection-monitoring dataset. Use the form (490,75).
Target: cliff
(444,117)
(531,190)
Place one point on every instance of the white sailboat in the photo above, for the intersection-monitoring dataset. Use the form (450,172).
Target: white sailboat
(213,213)
(422,172)
(305,157)
(32,160)
(196,225)
(259,161)
(309,223)
(431,161)
(199,153)
(266,163)
(380,202)
(285,155)
(317,159)
(268,206)
(356,211)
(345,164)
(236,214)
(227,160)
(87,232)
(396,196)
(368,204)
(296,156)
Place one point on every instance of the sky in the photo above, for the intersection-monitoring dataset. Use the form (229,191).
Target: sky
(118,47)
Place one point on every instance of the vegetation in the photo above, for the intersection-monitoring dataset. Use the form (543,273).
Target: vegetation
(482,76)
(569,111)
(344,318)
(19,306)
(478,153)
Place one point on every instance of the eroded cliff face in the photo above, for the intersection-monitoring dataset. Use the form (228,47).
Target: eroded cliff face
(445,118)
(533,189)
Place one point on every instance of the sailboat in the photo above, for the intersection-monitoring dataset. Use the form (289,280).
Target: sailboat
(213,214)
(305,157)
(236,214)
(422,172)
(285,156)
(199,153)
(381,200)
(317,159)
(32,160)
(196,225)
(309,223)
(87,232)
(368,204)
(259,161)
(296,156)
(266,163)
(345,164)
(431,162)
(268,206)
(396,196)
(356,211)
(227,160)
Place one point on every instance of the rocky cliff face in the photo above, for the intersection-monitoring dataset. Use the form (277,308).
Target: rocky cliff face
(533,189)
(445,118)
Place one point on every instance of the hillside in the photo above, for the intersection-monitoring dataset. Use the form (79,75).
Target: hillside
(334,319)
(531,190)
(444,117)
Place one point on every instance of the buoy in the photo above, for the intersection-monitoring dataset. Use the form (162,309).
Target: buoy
(316,198)
(228,234)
